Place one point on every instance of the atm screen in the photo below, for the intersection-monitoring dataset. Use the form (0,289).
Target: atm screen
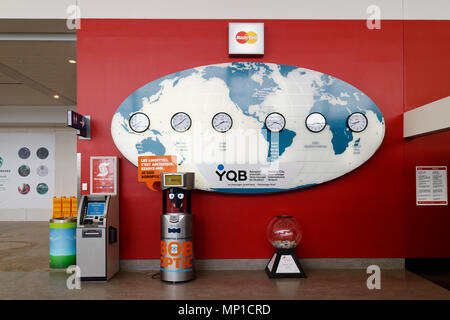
(96,209)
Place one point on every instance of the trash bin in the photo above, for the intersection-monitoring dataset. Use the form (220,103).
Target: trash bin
(62,242)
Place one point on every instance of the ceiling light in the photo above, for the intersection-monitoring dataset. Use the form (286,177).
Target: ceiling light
(72,61)
(56,96)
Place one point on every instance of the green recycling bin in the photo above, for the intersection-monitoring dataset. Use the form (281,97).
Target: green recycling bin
(63,242)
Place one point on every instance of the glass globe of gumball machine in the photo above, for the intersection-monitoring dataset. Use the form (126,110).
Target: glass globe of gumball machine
(284,233)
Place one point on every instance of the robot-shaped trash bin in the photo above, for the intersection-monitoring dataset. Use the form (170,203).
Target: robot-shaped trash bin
(177,258)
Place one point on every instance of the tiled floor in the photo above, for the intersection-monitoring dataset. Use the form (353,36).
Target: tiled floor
(24,274)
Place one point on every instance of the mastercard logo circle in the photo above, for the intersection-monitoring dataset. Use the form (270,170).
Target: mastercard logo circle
(246,37)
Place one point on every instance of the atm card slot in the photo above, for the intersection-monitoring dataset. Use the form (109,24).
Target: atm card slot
(92,233)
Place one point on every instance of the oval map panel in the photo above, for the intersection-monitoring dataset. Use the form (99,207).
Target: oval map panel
(269,145)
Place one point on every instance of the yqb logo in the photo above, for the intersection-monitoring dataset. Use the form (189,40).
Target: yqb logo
(231,175)
(246,37)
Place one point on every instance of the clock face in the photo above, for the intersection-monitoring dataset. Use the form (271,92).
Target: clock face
(222,122)
(357,122)
(316,122)
(180,122)
(275,122)
(139,122)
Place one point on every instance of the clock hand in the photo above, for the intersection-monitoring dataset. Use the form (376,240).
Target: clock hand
(180,122)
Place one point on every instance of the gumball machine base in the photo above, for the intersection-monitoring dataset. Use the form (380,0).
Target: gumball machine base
(284,264)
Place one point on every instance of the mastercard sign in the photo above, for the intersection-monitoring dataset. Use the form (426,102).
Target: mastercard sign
(245,38)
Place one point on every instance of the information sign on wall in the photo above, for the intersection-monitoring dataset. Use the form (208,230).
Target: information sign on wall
(431,185)
(104,175)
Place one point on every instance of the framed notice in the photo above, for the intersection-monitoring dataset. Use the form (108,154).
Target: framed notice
(104,175)
(431,186)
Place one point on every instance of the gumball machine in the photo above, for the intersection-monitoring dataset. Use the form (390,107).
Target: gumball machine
(284,233)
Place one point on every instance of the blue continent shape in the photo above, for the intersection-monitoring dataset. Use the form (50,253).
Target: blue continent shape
(134,102)
(285,139)
(285,69)
(243,89)
(151,145)
(335,114)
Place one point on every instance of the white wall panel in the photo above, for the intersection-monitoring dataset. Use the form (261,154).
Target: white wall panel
(430,118)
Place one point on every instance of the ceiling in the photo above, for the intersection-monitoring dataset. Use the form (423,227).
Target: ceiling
(32,71)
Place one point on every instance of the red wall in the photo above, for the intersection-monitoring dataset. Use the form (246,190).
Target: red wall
(361,214)
(427,78)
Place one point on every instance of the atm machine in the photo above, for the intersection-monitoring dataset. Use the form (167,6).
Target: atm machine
(98,237)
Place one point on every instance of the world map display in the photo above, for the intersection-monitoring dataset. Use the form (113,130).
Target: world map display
(262,161)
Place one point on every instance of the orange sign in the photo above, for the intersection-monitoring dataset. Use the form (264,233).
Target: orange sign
(151,167)
(180,254)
